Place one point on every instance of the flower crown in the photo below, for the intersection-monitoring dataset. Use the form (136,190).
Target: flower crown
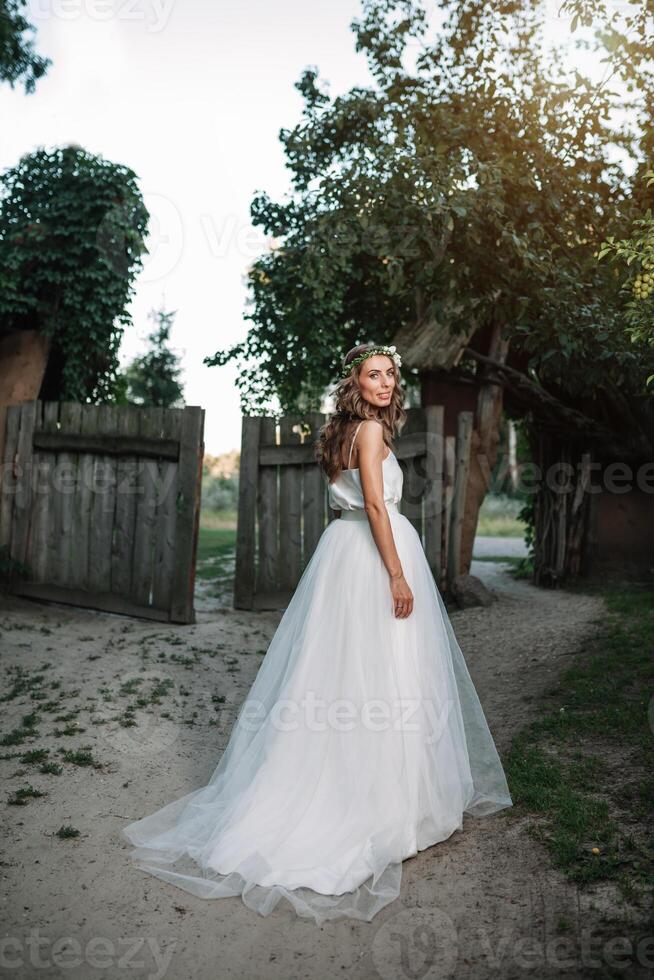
(391,351)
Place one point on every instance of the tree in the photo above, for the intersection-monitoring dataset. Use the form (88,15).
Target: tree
(72,228)
(628,36)
(18,59)
(153,378)
(470,186)
(473,185)
(635,256)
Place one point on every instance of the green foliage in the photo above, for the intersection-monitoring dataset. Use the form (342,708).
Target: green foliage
(153,378)
(473,182)
(622,33)
(67,832)
(498,516)
(219,492)
(18,59)
(635,255)
(23,795)
(72,229)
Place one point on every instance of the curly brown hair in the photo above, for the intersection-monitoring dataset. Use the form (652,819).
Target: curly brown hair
(351,407)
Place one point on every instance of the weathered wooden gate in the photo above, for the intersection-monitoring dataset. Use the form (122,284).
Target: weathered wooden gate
(102,502)
(283,506)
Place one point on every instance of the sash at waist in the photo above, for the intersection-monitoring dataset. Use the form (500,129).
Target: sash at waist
(360,515)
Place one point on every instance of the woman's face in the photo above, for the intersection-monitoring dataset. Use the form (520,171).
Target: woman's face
(377,379)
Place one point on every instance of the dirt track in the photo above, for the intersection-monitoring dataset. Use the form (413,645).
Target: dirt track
(485,903)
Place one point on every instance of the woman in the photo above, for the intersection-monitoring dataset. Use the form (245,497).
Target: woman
(362,740)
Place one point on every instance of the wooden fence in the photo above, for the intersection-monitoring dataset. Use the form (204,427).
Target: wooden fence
(101,503)
(283,506)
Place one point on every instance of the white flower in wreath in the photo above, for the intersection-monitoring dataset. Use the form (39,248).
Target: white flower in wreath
(396,357)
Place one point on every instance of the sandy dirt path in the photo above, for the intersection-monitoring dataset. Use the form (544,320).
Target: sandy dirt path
(485,903)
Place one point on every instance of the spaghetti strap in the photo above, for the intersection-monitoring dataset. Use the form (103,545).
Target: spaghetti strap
(352,443)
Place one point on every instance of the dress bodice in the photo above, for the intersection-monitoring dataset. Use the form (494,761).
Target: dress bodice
(345,492)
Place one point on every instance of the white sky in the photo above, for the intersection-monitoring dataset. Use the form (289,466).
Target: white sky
(191,95)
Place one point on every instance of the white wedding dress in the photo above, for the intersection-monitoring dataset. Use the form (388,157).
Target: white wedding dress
(361,741)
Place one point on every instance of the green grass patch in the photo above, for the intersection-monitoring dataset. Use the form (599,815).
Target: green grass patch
(67,832)
(34,756)
(80,757)
(583,768)
(498,517)
(218,520)
(183,660)
(51,769)
(69,716)
(68,731)
(28,729)
(23,681)
(161,689)
(131,686)
(127,719)
(15,737)
(216,551)
(23,795)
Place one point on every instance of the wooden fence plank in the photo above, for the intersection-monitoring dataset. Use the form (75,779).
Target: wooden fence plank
(267,513)
(290,510)
(70,415)
(433,500)
(23,496)
(331,514)
(9,479)
(106,601)
(449,469)
(298,454)
(102,508)
(191,451)
(53,531)
(127,485)
(83,503)
(150,421)
(413,465)
(109,416)
(94,577)
(244,574)
(579,515)
(108,444)
(42,490)
(166,515)
(462,467)
(313,495)
(48,565)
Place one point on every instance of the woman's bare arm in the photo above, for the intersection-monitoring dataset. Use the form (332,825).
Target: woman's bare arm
(372,451)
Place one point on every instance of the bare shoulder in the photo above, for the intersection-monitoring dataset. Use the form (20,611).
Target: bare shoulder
(371,435)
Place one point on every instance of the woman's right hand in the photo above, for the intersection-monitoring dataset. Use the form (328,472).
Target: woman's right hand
(402,597)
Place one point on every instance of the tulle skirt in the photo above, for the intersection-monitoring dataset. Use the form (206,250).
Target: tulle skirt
(361,742)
